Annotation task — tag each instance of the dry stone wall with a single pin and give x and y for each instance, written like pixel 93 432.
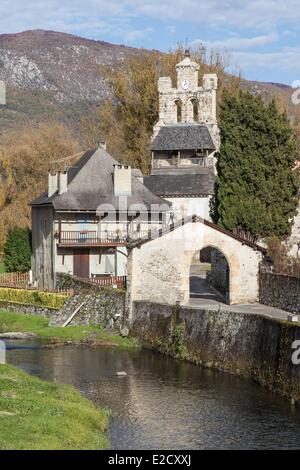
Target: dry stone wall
pixel 280 291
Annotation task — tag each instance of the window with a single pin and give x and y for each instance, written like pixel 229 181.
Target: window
pixel 194 103
pixel 178 105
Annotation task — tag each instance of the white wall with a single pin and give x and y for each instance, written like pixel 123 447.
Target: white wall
pixel 185 206
pixel 159 270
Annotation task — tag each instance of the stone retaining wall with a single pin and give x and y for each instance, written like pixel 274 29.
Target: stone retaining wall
pixel 279 291
pixel 245 344
pixel 104 306
pixel 25 308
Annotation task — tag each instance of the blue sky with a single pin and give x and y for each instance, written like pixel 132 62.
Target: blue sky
pixel 261 36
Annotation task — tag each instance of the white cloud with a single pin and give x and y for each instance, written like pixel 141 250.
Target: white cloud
pixel 237 42
pixel 19 15
pixel 256 13
pixel 287 59
pixel 134 20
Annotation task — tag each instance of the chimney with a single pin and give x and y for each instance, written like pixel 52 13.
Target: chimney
pixel 63 182
pixel 122 180
pixel 102 144
pixel 52 184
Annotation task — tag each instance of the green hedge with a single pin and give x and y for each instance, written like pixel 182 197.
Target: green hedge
pixel 33 297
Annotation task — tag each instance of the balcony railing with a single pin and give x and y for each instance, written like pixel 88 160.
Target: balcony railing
pixel 119 281
pixel 91 237
pixel 174 162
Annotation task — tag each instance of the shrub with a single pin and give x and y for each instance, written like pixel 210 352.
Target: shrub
pixel 17 250
pixel 32 297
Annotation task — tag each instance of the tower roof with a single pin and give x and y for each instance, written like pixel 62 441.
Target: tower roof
pixel 183 136
pixel 187 62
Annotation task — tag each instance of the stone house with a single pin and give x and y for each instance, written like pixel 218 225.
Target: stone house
pixel 84 223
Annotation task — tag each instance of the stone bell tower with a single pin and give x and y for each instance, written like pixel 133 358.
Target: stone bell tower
pixel 185 140
pixel 188 102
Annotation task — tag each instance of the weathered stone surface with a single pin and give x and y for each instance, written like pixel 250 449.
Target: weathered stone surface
pixel 124 331
pixel 245 344
pixel 280 291
pixel 25 308
pixel 160 270
pixel 104 306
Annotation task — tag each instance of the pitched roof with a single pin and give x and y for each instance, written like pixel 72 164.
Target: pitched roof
pixel 192 220
pixel 183 136
pixel 200 184
pixel 90 184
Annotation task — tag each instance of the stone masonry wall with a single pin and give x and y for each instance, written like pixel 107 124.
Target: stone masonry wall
pixel 245 344
pixel 28 309
pixel 279 291
pixel 104 306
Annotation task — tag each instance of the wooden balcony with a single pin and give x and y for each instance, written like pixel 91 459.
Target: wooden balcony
pixel 184 162
pixel 86 238
pixel 118 281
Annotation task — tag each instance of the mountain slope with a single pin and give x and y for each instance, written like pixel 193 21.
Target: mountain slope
pixel 58 75
pixel 66 65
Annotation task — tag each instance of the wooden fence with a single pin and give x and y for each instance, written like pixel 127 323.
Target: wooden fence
pixel 119 281
pixel 20 280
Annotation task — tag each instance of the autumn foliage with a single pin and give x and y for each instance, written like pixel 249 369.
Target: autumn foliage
pixel 26 156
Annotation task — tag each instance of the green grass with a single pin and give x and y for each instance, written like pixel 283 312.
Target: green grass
pixel 2 267
pixel 10 321
pixel 41 415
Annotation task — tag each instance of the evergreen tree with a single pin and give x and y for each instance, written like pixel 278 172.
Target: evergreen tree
pixel 17 250
pixel 256 193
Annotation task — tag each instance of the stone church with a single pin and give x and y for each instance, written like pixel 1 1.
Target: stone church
pixel 185 140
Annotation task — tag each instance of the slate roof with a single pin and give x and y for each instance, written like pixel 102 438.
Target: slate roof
pixel 183 137
pixel 90 183
pixel 201 184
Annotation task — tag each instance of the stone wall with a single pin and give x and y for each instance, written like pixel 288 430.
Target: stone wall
pixel 279 291
pixel 160 269
pixel 104 306
pixel 245 344
pixel 219 274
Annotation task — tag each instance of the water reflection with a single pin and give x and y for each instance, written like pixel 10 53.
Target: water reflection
pixel 167 404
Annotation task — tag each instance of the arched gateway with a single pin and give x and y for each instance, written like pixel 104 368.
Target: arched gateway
pixel 209 276
pixel 159 269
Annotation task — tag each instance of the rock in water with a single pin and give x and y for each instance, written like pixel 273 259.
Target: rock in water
pixel 122 373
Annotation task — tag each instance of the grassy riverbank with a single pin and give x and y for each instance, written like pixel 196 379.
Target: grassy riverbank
pixel 41 415
pixel 16 322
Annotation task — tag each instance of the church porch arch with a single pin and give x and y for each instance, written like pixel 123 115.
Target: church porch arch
pixel 159 270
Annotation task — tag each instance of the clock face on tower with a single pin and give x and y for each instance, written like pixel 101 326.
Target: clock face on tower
pixel 185 84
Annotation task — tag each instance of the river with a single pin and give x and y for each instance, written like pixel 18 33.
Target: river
pixel 167 404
